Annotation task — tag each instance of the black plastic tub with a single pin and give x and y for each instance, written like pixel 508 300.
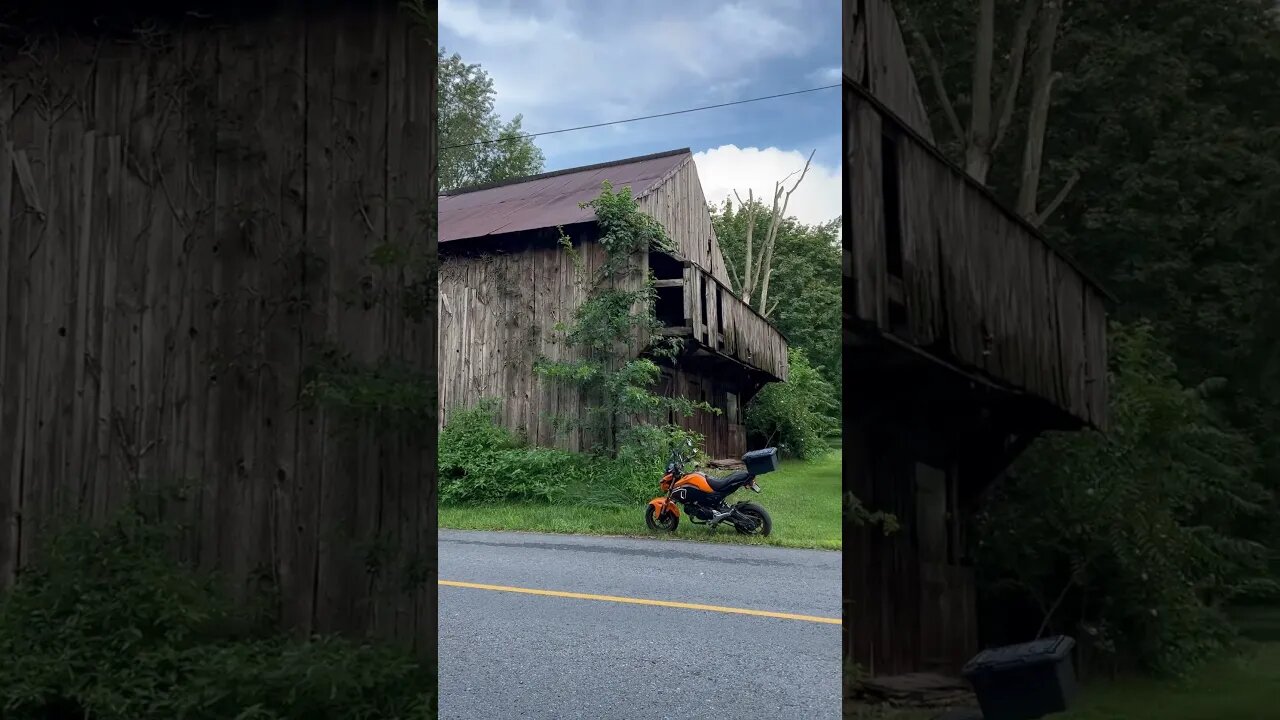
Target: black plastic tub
pixel 1023 682
pixel 759 462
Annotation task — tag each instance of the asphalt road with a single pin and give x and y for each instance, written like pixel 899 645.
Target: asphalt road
pixel 518 655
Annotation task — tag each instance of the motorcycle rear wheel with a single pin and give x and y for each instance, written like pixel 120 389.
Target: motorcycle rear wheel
pixel 666 521
pixel 764 523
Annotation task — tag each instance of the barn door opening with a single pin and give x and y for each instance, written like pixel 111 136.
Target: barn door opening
pixel 667 388
pixel 948 606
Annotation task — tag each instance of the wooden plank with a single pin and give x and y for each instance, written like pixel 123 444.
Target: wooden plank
pixel 12 353
pixel 710 295
pixel 200 58
pixel 34 172
pixel 316 544
pixel 78 431
pixel 868 223
pixel 1095 341
pixel 280 490
pixel 892 79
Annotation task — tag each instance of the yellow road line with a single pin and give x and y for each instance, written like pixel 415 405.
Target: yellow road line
pixel 641 601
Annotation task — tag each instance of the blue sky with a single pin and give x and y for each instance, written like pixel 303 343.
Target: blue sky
pixel 563 63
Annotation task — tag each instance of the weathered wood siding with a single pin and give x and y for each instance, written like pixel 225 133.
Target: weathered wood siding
pixel 678 204
pixel 725 433
pixel 183 223
pixel 977 285
pixel 498 312
pixel 499 306
pixel 722 322
pixel 909 603
pixel 875 56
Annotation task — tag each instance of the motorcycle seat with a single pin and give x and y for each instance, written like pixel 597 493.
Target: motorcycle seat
pixel 720 483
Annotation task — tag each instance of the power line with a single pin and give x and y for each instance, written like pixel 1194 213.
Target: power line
pixel 643 117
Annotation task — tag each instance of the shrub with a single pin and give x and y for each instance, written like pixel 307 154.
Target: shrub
pixel 795 415
pixel 1131 541
pixel 105 626
pixel 483 462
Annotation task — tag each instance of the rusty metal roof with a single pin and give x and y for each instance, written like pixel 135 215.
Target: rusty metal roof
pixel 546 200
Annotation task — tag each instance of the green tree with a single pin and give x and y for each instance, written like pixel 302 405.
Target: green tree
pixel 806 279
pixel 797 414
pixel 1169 115
pixel 469 127
pixel 1132 541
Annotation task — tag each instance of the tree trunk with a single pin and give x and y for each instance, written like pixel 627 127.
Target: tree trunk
pixel 1017 54
pixel 747 285
pixel 978 150
pixel 778 215
pixel 1038 117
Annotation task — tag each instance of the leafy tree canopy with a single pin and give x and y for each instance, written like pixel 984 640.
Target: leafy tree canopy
pixel 805 297
pixel 468 125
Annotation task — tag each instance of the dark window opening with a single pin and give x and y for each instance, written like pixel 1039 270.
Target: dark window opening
pixel 897 318
pixel 665 267
pixel 955 544
pixel 719 310
pixel 891 190
pixel 670 306
pixel 668 389
pixel 702 300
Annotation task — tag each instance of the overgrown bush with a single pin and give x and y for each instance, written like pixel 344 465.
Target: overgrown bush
pixel 615 318
pixel 483 462
pixel 106 626
pixel 795 415
pixel 1132 541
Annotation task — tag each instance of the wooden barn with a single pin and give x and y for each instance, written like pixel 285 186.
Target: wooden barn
pixel 966 333
pixel 505 283
pixel 189 192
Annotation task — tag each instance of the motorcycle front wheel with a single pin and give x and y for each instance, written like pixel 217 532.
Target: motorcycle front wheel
pixel 763 523
pixel 666 521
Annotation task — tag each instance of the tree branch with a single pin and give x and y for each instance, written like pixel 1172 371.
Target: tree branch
pixel 1017 55
pixel 778 215
pixel 733 275
pixel 747 270
pixel 935 75
pixel 1057 200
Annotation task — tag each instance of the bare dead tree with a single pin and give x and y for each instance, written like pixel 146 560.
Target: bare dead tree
pixel 989 120
pixel 756 271
pixel 1038 117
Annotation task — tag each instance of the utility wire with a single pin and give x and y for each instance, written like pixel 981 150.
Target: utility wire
pixel 643 117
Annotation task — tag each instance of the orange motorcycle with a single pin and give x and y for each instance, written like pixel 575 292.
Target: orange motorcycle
pixel 704 498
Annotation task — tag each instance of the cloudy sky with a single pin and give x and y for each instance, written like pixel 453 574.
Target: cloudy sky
pixel 564 63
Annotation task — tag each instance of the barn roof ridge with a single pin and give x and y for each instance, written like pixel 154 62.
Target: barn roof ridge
pixel 566 171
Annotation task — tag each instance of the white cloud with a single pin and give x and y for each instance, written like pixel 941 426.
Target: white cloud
pixel 548 57
pixel 728 168
pixel 826 76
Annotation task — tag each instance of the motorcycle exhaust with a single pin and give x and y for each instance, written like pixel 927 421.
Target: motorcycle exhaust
pixel 718 518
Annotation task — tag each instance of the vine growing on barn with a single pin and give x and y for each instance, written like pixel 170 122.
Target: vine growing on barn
pixel 615 332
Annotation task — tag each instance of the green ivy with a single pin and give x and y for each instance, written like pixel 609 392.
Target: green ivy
pixel 617 386
pixel 105 625
pixel 391 396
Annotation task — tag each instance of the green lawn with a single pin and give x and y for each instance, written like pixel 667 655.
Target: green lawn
pixel 1242 687
pixel 803 499
pixel 1246 687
